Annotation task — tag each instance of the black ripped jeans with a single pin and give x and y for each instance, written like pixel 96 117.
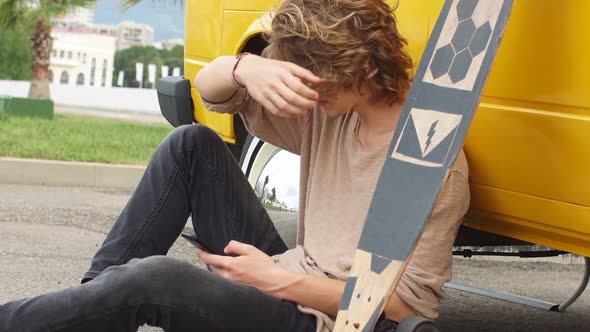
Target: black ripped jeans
pixel 191 172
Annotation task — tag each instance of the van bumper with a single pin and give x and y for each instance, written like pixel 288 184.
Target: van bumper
pixel 174 97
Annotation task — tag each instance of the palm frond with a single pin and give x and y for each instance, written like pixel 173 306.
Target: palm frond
pixel 53 8
pixel 11 12
pixel 126 4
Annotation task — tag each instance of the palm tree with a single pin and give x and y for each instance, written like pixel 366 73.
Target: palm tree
pixel 273 196
pixel 36 15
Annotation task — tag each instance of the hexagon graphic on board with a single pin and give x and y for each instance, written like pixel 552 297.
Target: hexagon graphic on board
pixel 443 58
pixel 460 66
pixel 480 39
pixel 460 50
pixel 463 35
pixel 465 8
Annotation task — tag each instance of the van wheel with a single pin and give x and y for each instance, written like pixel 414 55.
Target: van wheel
pixel 248 153
pixel 257 156
pixel 273 173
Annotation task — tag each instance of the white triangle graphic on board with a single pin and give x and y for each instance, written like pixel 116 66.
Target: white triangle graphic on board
pixel 433 127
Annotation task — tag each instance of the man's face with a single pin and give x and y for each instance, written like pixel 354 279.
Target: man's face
pixel 338 102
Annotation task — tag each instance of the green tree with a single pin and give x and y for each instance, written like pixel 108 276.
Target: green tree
pixel 36 16
pixel 173 57
pixel 15 54
pixel 126 59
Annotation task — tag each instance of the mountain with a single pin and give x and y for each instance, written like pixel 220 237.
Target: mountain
pixel 166 17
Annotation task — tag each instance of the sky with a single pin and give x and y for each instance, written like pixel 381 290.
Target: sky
pixel 165 16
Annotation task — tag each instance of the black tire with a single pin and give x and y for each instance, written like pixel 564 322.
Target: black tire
pixel 417 324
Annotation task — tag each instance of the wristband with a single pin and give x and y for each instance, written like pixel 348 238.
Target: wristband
pixel 239 58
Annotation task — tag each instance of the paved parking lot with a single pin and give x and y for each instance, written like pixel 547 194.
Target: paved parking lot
pixel 49 234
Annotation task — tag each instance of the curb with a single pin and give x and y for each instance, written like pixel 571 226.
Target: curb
pixel 65 173
pixel 119 114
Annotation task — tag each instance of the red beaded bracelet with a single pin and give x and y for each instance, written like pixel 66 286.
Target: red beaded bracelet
pixel 239 57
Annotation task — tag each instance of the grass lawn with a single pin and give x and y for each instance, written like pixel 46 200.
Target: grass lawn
pixel 271 207
pixel 80 138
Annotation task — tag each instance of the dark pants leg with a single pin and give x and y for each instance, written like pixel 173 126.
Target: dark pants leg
pixel 192 171
pixel 160 291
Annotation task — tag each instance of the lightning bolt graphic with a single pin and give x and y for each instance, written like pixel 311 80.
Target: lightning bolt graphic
pixel 431 133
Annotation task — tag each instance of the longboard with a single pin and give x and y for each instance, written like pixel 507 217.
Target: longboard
pixel 430 132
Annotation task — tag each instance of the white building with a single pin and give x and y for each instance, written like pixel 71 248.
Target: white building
pixel 105 29
pixel 134 34
pixel 81 57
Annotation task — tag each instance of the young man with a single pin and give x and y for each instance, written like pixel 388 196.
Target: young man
pixel 330 87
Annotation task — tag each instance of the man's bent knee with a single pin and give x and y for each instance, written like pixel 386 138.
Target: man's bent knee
pixel 189 135
pixel 147 276
pixel 168 275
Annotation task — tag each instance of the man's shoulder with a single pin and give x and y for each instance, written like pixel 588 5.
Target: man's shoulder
pixel 461 166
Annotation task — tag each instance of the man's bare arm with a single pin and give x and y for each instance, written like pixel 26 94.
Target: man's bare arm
pixel 280 87
pixel 255 268
pixel 214 81
pixel 324 295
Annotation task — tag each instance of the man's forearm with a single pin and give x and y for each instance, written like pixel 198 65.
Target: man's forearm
pixel 319 293
pixel 324 294
pixel 214 81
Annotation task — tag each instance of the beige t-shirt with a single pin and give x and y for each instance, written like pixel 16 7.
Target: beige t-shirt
pixel 337 181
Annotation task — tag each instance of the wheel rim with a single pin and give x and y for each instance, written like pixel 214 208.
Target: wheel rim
pixel 274 175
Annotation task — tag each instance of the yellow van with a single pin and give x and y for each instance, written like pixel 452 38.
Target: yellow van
pixel 528 147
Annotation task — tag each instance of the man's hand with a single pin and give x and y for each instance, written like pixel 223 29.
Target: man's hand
pixel 255 268
pixel 280 87
pixel 252 267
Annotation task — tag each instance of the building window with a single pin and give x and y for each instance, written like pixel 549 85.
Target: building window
pixel 53 53
pixel 61 54
pixel 84 58
pixel 78 55
pixel 103 79
pixel 69 54
pixel 80 79
pixel 50 76
pixel 65 77
pixel 92 71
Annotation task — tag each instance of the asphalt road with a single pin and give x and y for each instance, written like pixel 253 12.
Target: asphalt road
pixel 48 235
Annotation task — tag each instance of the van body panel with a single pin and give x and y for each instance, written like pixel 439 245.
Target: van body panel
pixel 202 28
pixel 551 223
pixel 529 144
pixel 241 27
pixel 248 5
pixel 221 123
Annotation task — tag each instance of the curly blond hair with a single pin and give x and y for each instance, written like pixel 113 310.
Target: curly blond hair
pixel 347 43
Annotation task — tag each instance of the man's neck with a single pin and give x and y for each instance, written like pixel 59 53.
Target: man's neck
pixel 377 123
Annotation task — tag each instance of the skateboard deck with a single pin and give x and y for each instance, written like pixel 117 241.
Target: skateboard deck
pixel 430 132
